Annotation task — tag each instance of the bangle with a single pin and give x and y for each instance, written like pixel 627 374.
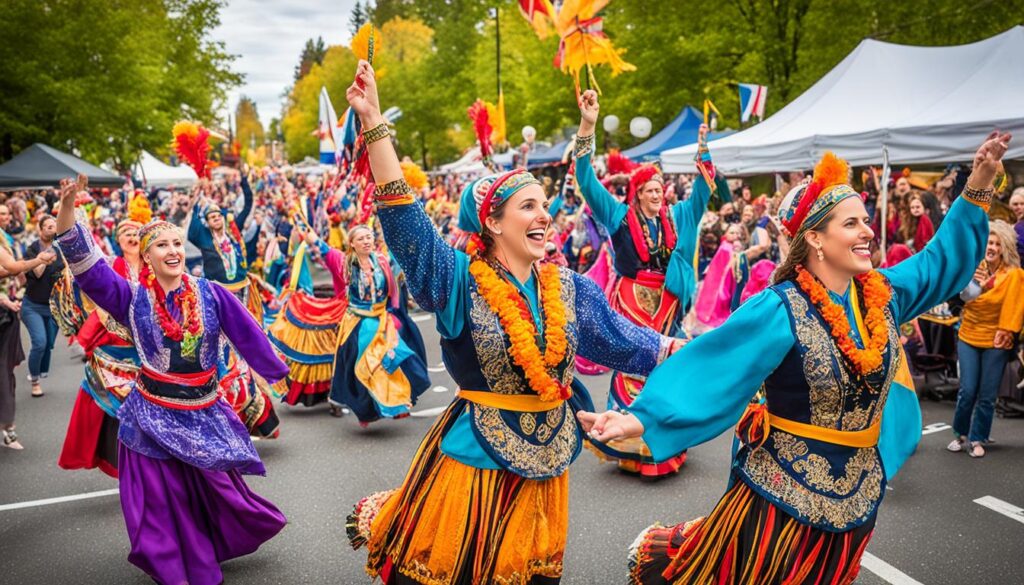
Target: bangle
pixel 397 192
pixel 378 132
pixel 584 145
pixel 980 197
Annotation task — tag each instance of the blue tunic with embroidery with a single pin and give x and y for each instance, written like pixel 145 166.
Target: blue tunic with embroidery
pixel 475 350
pixel 777 339
pixel 680 278
pixel 217 266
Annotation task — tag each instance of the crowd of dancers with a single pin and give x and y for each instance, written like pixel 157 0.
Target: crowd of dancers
pixel 182 371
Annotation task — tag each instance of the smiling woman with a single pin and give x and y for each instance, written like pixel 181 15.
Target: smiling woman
pixel 486 497
pixel 182 450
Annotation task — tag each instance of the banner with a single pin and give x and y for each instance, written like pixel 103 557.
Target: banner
pixel 752 99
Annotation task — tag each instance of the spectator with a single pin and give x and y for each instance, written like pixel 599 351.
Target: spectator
pixel 35 307
pixel 1017 206
pixel 991 320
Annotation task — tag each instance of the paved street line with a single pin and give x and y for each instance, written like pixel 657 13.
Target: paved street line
pixel 1004 508
pixel 428 412
pixel 935 428
pixel 439 389
pixel 436 370
pixel 423 317
pixel 59 500
pixel 886 571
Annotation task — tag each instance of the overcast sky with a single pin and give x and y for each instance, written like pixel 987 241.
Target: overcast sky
pixel 268 36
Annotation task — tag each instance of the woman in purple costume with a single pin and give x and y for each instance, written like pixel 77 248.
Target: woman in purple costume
pixel 182 449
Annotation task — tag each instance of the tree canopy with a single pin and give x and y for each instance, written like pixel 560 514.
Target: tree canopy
pixel 108 79
pixel 684 51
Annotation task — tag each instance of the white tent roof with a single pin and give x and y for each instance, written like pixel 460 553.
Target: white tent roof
pixel 156 173
pixel 926 104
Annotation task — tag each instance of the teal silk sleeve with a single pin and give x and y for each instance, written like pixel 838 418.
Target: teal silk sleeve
pixel 703 389
pixel 946 264
pixel 606 209
pixel 680 276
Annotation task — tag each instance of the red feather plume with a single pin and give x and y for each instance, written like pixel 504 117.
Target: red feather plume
pixel 192 143
pixel 482 125
pixel 619 164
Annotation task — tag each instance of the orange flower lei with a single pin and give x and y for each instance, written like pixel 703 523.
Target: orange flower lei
pixel 503 298
pixel 876 297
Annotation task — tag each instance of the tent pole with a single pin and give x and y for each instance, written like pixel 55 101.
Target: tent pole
pixel 883 197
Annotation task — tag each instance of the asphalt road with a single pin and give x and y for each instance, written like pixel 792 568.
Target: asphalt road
pixel 930 529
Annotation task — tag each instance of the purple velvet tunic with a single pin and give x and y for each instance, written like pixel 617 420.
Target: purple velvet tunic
pixel 212 438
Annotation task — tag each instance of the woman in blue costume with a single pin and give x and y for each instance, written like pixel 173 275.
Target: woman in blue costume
pixel 486 497
pixel 380 363
pixel 839 417
pixel 182 449
pixel 655 252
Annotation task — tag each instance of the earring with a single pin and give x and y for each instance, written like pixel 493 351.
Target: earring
pixel 497 233
pixel 821 255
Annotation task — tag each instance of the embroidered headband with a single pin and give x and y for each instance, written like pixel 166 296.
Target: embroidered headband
pixel 127 224
pixel 483 195
pixel 806 205
pixel 150 231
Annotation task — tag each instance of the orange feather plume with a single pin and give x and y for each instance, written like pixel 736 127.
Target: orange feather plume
pixel 139 209
pixel 192 143
pixel 831 170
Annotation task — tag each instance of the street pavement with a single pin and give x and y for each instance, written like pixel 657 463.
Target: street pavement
pixel 930 529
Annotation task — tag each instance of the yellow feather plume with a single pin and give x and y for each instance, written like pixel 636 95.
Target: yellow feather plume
pixel 414 175
pixel 139 210
pixel 831 170
pixel 361 42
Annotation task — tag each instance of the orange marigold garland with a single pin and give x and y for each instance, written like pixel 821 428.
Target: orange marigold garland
pixel 876 297
pixel 503 298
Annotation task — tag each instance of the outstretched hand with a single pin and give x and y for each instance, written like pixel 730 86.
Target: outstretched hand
pixel 987 160
pixel 69 189
pixel 362 94
pixel 610 425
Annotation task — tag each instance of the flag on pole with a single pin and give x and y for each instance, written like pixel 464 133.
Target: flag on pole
pixel 327 130
pixel 711 114
pixel 752 99
pixel 496 113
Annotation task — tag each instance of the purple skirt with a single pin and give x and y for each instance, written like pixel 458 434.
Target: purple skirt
pixel 184 521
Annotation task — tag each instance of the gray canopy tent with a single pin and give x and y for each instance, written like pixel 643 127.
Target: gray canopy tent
pixel 44 166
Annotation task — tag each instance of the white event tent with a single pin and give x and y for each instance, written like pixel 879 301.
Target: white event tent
pixel 925 104
pixel 156 173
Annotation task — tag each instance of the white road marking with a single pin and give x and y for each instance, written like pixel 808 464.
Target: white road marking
pixel 935 428
pixel 436 370
pixel 887 572
pixel 60 500
pixel 439 389
pixel 428 412
pixel 1004 508
pixel 422 318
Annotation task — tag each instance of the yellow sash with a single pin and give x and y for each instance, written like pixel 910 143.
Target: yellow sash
pixel 514 402
pixel 860 439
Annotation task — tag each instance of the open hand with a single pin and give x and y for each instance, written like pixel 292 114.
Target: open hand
pixel 362 94
pixel 987 160
pixel 1004 339
pixel 610 425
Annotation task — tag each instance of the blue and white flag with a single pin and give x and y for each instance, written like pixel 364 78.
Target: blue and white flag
pixel 752 98
pixel 327 130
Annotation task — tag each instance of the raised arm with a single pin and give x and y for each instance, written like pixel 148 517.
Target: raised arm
pixel 946 264
pixel 702 389
pixel 247 336
pixel 246 205
pixel 606 209
pixel 109 291
pixel 428 262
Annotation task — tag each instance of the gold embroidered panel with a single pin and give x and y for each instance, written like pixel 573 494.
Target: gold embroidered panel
pixel 856 488
pixel 555 430
pixel 836 401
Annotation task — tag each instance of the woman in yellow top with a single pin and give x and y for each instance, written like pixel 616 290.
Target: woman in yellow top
pixel 989 326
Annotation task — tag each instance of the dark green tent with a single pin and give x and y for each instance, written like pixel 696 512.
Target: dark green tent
pixel 44 166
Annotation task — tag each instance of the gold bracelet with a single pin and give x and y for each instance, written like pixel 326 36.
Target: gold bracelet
pixel 980 197
pixel 584 145
pixel 397 192
pixel 378 132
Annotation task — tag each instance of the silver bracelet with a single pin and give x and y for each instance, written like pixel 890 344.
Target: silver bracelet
pixel 584 145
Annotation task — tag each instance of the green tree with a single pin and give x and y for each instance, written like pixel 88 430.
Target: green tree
pixel 108 79
pixel 312 54
pixel 249 129
pixel 360 15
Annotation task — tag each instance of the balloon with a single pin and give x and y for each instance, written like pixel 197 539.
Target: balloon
pixel 529 133
pixel 611 123
pixel 640 127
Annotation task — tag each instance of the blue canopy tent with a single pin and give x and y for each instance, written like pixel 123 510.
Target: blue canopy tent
pixel 548 156
pixel 681 131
